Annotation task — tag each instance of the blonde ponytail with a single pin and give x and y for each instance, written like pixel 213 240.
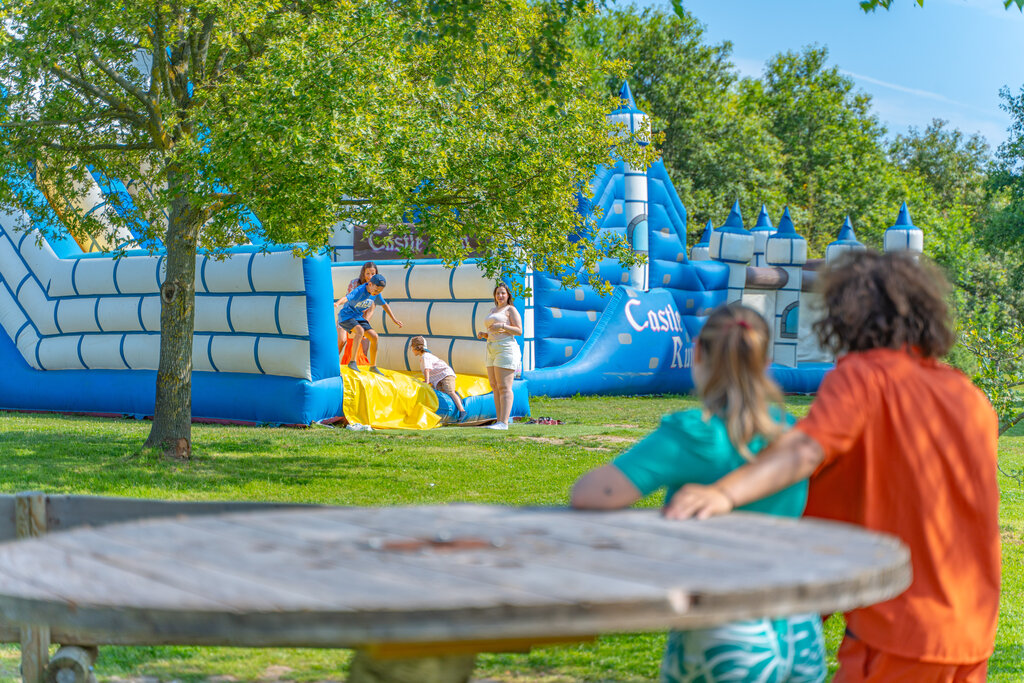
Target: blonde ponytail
pixel 734 357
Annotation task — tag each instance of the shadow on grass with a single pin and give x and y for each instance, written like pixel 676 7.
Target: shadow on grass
pixel 106 460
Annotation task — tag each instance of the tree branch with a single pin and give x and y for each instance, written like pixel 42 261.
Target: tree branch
pixel 97 92
pixel 66 122
pixel 204 42
pixel 118 78
pixel 112 146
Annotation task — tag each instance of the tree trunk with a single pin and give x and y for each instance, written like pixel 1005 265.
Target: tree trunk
pixel 172 417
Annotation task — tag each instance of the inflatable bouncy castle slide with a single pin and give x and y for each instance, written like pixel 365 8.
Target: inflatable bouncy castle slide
pixel 79 328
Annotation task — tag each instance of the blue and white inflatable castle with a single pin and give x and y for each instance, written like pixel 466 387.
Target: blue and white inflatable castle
pixel 640 339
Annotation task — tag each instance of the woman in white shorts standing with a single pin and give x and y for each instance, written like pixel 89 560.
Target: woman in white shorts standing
pixel 503 354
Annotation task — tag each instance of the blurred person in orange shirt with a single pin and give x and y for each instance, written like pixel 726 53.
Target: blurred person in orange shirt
pixel 900 443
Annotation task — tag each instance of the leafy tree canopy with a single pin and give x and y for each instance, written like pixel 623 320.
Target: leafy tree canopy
pixel 872 5
pixel 471 118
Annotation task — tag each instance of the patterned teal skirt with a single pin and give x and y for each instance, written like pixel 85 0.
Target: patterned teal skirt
pixel 763 650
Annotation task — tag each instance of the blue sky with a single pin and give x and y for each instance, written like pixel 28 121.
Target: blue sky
pixel 945 60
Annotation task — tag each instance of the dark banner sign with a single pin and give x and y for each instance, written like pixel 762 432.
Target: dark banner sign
pixel 376 244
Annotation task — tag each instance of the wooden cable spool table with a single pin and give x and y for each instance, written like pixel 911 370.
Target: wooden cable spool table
pixel 420 590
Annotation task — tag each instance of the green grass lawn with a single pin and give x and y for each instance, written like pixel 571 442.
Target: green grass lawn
pixel 530 465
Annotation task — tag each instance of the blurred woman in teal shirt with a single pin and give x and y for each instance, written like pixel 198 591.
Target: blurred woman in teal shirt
pixel 742 413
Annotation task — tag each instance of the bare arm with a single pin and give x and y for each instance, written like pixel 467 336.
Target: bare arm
pixel 793 456
pixel 515 323
pixel 605 488
pixel 340 302
pixel 387 309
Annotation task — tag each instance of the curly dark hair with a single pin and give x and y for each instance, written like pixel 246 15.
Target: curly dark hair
pixel 893 301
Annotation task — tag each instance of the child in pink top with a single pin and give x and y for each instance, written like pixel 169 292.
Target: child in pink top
pixel 437 373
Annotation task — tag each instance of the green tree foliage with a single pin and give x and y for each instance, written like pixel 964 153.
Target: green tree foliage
pixel 872 5
pixel 715 149
pixel 1006 229
pixel 310 113
pixel 954 165
pixel 834 160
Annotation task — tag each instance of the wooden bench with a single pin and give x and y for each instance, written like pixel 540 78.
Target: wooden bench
pixel 24 515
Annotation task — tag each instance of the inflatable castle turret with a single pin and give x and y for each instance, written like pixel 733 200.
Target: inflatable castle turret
pixel 845 241
pixel 762 230
pixel 733 245
pixel 904 235
pixel 787 250
pixel 635 190
pixel 701 250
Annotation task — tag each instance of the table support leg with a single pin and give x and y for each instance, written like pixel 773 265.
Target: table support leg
pixel 447 669
pixel 30 521
pixel 35 652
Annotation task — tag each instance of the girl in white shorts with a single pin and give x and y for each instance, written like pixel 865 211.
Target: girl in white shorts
pixel 503 354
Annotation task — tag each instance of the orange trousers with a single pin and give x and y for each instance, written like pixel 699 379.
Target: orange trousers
pixel 861 663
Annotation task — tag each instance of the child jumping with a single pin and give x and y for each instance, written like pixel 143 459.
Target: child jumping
pixel 900 443
pixel 741 414
pixel 350 310
pixel 437 373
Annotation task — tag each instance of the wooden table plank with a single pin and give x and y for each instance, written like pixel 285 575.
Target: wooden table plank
pixel 344 577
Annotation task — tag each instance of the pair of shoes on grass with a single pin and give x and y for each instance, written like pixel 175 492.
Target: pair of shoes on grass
pixel 544 421
pixel 497 425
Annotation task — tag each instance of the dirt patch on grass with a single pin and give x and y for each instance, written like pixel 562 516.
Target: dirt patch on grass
pixel 1011 538
pixel 601 449
pixel 543 439
pixel 275 672
pixel 608 438
pixel 623 426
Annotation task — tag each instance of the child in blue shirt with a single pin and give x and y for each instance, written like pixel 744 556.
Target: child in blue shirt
pixel 351 309
pixel 741 415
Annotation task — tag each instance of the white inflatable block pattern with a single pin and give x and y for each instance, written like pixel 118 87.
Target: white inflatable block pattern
pixel 635 188
pixel 464 355
pixel 731 247
pixel 760 246
pixel 782 251
pixel 99 352
pixel 11 317
pixel 92 276
pixel 287 357
pixel 270 272
pixel 38 308
pixel 834 251
pixel 118 314
pixel 110 319
pixel 151 313
pixel 277 356
pixel 11 265
pixel 899 239
pixel 424 281
pixel 60 353
pixel 76 315
pixel 135 275
pixel 212 314
pixel 342 235
pixel 141 351
pixel 28 344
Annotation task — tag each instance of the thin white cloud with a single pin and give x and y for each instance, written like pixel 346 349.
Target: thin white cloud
pixel 926 94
